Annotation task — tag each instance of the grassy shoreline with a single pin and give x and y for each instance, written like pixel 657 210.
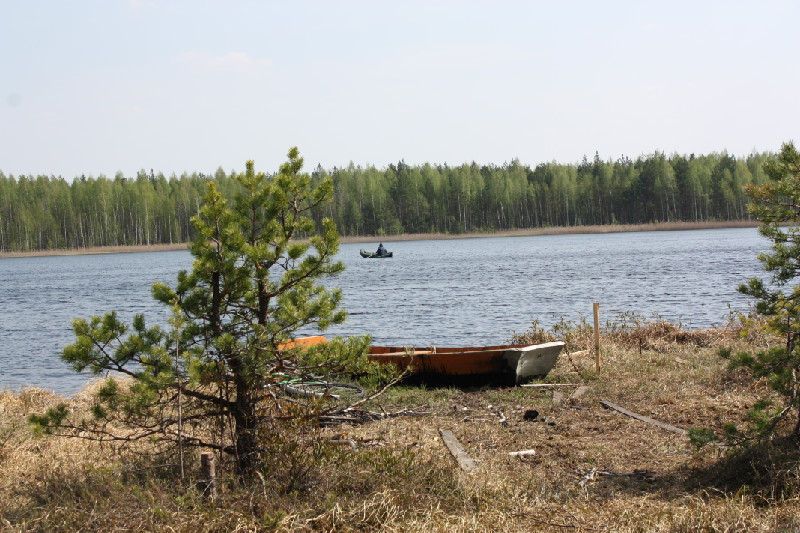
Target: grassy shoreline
pixel 590 468
pixel 560 230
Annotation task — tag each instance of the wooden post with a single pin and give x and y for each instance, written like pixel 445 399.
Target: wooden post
pixel 598 363
pixel 208 476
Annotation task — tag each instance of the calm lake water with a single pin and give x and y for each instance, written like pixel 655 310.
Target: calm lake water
pixel 454 292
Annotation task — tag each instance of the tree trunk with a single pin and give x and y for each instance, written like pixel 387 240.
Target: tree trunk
pixel 215 303
pixel 796 432
pixel 244 416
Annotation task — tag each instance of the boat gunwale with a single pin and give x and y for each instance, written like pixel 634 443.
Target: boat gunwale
pixel 433 351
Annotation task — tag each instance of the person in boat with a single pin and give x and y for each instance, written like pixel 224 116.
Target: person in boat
pixel 381 250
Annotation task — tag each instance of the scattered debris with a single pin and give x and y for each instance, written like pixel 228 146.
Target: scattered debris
pixel 503 420
pixel 466 463
pixel 530 415
pixel 357 417
pixel 593 474
pixel 662 425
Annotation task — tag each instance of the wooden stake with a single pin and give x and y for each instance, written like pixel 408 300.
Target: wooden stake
pixel 598 363
pixel 208 476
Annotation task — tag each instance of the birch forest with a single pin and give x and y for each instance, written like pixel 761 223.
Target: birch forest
pixel 49 212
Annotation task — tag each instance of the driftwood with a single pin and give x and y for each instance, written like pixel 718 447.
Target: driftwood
pixel 662 425
pixel 466 463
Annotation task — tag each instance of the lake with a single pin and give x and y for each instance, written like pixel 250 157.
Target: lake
pixel 433 292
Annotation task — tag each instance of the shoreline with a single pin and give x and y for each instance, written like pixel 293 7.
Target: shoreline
pixel 559 230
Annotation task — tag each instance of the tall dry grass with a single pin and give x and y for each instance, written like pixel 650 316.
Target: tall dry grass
pixel 593 469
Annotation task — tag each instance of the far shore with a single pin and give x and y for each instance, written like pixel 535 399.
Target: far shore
pixel 560 230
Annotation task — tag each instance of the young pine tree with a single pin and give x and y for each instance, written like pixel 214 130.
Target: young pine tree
pixel 209 381
pixel 776 204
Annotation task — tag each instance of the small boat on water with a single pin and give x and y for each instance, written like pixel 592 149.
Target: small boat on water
pixel 374 255
pixel 513 363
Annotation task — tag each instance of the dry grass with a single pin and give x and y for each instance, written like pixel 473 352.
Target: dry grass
pixel 401 478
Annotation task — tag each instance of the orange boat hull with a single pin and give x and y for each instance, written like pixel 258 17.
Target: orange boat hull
pixel 514 363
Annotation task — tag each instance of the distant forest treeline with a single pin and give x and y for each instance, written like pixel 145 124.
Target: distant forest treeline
pixel 45 212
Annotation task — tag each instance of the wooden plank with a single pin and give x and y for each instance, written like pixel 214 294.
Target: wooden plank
pixel 466 463
pixel 598 362
pixel 637 416
pixel 558 397
pixel 580 391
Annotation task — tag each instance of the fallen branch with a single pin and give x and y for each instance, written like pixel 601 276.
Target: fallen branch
pixel 379 393
pixel 347 416
pixel 637 416
pixel 404 412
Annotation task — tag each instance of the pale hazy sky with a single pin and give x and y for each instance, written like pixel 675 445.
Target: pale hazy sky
pixel 100 86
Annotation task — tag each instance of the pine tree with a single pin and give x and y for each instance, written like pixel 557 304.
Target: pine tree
pixel 253 286
pixel 776 203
